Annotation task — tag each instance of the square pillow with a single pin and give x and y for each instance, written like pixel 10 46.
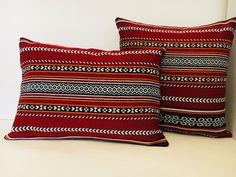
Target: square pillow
pixel 193 76
pixel 88 93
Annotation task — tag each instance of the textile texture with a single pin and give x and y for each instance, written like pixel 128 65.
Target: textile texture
pixel 88 93
pixel 193 76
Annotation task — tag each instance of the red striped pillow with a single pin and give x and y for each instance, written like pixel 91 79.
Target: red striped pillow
pixel 88 93
pixel 194 68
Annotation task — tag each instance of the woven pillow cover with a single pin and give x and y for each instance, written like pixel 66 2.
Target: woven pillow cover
pixel 193 77
pixel 88 93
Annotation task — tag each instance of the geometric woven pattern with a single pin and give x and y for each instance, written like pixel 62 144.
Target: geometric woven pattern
pixel 89 130
pixel 131 89
pixel 89 93
pixel 193 75
pixel 87 109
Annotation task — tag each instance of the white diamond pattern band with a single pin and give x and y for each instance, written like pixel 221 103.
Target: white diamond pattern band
pixel 91 89
pixel 192 121
pixel 59 108
pixel 183 45
pixel 90 69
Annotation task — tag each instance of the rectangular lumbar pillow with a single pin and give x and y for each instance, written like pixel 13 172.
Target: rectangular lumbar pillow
pixel 88 93
pixel 193 77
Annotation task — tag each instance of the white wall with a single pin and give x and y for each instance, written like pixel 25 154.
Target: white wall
pixel 88 23
pixel 231 84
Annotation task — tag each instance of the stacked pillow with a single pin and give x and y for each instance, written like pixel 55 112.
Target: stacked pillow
pixel 194 68
pixel 127 95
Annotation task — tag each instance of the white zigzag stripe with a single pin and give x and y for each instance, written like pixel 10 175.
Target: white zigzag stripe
pixel 169 39
pixel 88 63
pixel 84 52
pixel 193 100
pixel 86 117
pixel 133 28
pixel 86 130
pixel 193 86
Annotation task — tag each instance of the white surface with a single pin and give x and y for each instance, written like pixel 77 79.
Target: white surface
pixel 187 156
pixel 83 23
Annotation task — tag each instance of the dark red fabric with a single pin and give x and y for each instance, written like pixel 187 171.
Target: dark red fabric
pixel 193 75
pixel 88 93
